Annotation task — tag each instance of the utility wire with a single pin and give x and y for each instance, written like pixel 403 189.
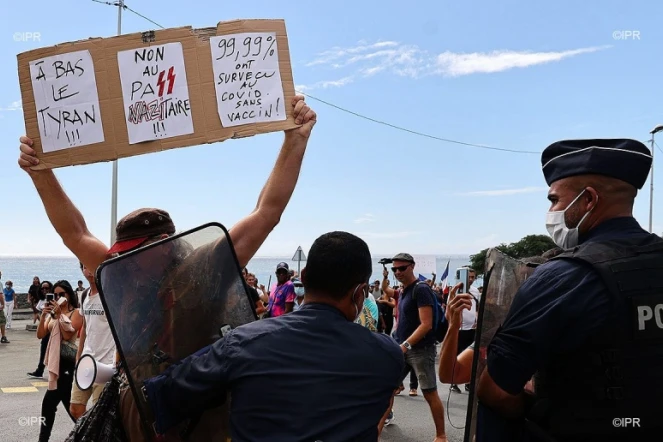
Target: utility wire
pixel 421 134
pixel 142 16
pixel 384 123
pixel 356 114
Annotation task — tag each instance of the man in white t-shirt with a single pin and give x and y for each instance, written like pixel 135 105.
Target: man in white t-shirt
pixel 96 340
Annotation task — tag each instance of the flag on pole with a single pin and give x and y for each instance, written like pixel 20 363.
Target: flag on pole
pixel 422 277
pixel 445 276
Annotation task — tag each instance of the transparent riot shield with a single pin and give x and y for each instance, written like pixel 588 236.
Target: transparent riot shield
pixel 167 300
pixel 505 275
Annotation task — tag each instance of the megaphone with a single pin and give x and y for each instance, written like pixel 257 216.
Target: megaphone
pixel 90 372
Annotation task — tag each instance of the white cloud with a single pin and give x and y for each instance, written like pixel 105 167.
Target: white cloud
pixel 15 106
pixel 387 235
pixel 452 64
pixel 324 84
pixel 335 53
pixel 366 218
pixel 366 60
pixel 503 192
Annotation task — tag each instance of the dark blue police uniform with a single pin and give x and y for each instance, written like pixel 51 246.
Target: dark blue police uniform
pixel 306 376
pixel 566 310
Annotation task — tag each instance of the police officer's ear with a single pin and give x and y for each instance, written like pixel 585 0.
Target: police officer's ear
pixel 591 197
pixel 302 276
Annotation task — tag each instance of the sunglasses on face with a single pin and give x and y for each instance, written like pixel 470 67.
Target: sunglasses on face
pixel 400 268
pixel 44 288
pixel 58 294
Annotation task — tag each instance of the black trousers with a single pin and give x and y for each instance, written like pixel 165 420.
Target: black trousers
pixel 414 381
pixel 42 353
pixel 388 323
pixel 52 399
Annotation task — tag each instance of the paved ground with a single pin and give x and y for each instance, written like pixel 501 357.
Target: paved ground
pixel 21 397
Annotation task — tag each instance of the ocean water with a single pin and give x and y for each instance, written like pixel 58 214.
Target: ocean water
pixel 21 270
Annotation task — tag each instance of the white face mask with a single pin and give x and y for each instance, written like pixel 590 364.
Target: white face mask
pixel 563 236
pixel 299 291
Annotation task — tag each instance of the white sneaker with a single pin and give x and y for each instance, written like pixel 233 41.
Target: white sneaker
pixel 389 419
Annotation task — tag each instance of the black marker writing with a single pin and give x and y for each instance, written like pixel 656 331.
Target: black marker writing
pixel 68 120
pixel 149 54
pixel 60 92
pixel 249 72
pixel 158 110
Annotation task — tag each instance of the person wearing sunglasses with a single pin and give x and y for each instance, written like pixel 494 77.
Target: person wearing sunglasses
pixel 60 322
pixel 414 333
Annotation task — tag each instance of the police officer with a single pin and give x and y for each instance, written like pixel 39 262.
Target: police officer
pixel 589 323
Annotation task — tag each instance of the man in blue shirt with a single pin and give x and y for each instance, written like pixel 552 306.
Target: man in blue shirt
pixel 414 332
pixel 571 327
pixel 315 363
pixel 9 302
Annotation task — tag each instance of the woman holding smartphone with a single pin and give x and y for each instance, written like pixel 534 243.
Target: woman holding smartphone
pixel 61 320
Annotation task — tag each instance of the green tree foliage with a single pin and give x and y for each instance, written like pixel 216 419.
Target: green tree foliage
pixel 531 245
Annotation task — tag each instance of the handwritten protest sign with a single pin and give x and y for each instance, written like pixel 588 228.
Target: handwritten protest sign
pixel 187 115
pixel 247 78
pixel 425 264
pixel 66 100
pixel 155 92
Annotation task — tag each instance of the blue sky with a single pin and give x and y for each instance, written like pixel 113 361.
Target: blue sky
pixel 510 74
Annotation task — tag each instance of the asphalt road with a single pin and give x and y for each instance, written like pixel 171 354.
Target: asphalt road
pixel 20 409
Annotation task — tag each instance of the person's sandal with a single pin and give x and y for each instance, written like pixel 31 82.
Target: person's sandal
pixel 413 392
pixel 400 389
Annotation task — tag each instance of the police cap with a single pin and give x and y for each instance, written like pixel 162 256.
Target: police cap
pixel 624 159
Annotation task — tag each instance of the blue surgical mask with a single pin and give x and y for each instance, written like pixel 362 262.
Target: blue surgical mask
pixel 299 291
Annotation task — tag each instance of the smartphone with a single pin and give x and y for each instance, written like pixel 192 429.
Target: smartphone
pixel 463 275
pixel 50 297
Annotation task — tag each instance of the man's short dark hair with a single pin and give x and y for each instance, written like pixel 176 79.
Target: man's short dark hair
pixel 337 262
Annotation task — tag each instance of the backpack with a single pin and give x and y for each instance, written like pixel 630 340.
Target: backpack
pixel 366 319
pixel 440 324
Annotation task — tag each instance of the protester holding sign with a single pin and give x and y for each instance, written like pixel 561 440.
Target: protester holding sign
pixel 247 235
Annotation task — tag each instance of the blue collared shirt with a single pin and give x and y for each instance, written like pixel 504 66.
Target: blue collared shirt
pixel 336 376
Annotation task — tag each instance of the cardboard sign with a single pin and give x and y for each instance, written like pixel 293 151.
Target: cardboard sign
pixel 108 98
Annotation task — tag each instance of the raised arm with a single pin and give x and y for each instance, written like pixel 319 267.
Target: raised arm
pixel 250 233
pixel 63 214
pixel 385 284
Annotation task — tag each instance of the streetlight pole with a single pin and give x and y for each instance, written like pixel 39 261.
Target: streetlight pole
pixel 651 183
pixel 120 6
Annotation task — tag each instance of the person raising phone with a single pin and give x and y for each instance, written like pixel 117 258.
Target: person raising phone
pixel 62 320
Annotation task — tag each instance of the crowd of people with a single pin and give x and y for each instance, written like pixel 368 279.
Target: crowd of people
pixel 332 349
pixel 70 322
